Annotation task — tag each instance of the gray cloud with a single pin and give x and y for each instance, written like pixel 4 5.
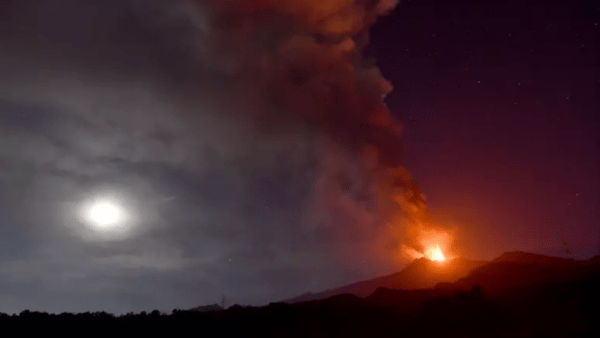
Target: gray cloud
pixel 250 159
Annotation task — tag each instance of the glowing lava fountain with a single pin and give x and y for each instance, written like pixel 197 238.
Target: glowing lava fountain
pixel 436 254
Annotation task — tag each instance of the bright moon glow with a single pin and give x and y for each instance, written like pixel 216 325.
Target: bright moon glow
pixel 108 214
pixel 104 214
pixel 436 254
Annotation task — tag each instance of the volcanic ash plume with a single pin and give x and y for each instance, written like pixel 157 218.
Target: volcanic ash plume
pixel 297 68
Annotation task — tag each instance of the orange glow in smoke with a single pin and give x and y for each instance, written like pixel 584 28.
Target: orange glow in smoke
pixel 435 244
pixel 436 254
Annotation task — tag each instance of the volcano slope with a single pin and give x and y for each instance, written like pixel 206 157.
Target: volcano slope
pixel 420 274
pixel 516 295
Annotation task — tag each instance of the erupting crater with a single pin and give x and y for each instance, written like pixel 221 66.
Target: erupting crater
pixel 436 254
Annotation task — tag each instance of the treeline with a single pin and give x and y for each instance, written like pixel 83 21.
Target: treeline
pixel 544 310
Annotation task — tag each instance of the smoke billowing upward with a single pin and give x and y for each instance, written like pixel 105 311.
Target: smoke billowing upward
pixel 244 147
pixel 298 65
pixel 261 119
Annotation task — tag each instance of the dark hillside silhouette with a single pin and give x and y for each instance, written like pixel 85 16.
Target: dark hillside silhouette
pixel 420 274
pixel 536 305
pixel 207 308
pixel 520 269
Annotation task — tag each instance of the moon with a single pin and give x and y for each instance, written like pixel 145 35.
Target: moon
pixel 109 213
pixel 106 217
pixel 105 214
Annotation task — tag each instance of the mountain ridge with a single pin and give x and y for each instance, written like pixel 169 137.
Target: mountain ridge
pixel 420 274
pixel 511 269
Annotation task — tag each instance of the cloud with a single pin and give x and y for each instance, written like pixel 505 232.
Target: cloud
pixel 251 142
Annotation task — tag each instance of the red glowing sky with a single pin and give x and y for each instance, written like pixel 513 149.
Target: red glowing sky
pixel 213 124
pixel 500 108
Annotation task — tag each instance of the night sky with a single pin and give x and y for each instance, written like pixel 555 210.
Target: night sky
pixel 500 106
pixel 160 154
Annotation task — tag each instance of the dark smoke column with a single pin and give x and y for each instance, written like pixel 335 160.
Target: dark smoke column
pixel 297 67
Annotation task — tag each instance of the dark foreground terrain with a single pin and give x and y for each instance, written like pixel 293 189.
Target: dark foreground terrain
pixel 516 295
